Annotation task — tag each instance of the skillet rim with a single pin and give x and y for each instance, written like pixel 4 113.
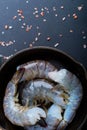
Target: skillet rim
pixel 48 48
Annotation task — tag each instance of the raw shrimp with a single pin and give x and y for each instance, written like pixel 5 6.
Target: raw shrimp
pixel 28 115
pixel 36 69
pixel 43 91
pixel 53 118
pixel 73 87
pixel 17 114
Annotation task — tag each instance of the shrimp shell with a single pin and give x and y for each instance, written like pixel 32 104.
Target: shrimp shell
pixel 41 89
pixel 72 85
pixel 53 118
pixel 36 69
pixel 16 113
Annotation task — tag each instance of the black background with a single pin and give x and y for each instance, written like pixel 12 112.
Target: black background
pixel 51 23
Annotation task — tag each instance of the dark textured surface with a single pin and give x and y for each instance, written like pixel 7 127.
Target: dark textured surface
pixel 51 24
pixel 57 23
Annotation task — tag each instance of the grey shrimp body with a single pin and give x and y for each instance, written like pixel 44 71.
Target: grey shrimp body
pixel 27 115
pixel 43 90
pixel 36 69
pixel 71 85
pixel 46 92
pixel 17 114
pixel 53 119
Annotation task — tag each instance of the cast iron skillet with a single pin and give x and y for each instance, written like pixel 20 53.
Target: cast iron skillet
pixel 59 59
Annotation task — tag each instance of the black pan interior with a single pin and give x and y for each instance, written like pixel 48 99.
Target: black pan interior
pixel 59 59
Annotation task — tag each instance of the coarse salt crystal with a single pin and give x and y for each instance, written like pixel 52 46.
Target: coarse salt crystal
pixel 35 8
pixel 39 33
pixel 33 42
pixel 7 7
pixel 37 16
pixel 20 11
pixel 36 38
pixel 24 24
pixel 60 35
pixel 36 12
pixel 14 41
pixel 71 30
pixel 19 19
pixel 22 16
pixel 84 46
pixel 62 7
pixel 6 27
pixel 64 18
pixel 3 32
pixel 56 44
pixel 30 45
pixel 44 20
pixel 37 27
pixel 15 50
pixel 48 38
pixel 25 43
pixel 68 15
pixel 56 15
pixel 80 8
pixel 75 16
pixel 42 13
pixel 84 37
pixel 45 8
pixel 83 32
pixel 10 27
pixel 14 17
pixel 27 2
pixel 54 8
pixel 42 9
pixel 48 11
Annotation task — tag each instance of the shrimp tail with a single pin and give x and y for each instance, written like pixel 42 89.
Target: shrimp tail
pixel 42 122
pixel 62 126
pixel 69 114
